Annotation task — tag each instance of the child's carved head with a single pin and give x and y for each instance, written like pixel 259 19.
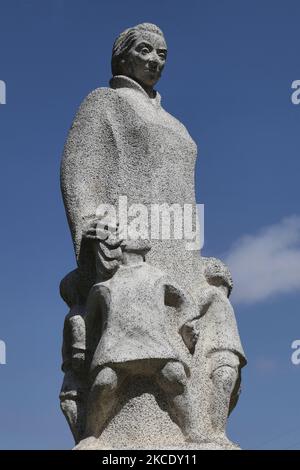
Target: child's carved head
pixel 217 274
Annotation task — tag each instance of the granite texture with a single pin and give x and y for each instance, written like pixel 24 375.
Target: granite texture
pixel 151 350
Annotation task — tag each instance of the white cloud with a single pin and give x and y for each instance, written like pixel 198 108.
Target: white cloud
pixel 267 263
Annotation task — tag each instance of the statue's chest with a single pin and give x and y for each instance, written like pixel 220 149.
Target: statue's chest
pixel 133 289
pixel 157 153
pixel 148 122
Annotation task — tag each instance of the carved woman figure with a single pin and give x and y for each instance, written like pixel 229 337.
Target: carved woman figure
pixel 123 142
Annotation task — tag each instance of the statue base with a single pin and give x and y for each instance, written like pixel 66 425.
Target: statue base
pixel 92 443
pixel 141 422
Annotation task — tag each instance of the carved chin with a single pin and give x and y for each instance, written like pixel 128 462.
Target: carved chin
pixel 152 78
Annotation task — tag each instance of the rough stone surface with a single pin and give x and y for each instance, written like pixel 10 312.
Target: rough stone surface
pixel 124 143
pixel 151 350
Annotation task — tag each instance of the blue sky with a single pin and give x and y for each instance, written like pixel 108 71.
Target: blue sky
pixel 228 79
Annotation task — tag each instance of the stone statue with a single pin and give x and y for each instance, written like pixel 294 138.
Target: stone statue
pixel 219 354
pixel 74 387
pixel 122 142
pixel 151 351
pixel 136 338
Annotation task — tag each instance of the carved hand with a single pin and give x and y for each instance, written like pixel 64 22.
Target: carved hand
pixel 96 229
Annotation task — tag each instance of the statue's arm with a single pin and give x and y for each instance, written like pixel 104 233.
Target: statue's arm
pixel 190 326
pixel 78 333
pixel 97 308
pixel 224 330
pixel 185 306
pixel 88 157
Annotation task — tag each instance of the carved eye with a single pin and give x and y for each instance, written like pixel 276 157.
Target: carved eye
pixel 145 51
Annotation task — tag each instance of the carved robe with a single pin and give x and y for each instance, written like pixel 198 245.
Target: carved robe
pixel 127 317
pixel 123 143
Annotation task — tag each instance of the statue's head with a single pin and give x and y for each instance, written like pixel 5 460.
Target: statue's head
pixel 107 248
pixel 217 274
pixel 140 53
pixel 71 289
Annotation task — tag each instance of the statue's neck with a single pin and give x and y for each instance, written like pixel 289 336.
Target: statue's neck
pixel 149 90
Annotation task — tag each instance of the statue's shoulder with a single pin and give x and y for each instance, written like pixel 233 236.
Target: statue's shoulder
pixel 97 103
pixel 163 279
pixel 100 97
pixel 152 272
pixel 180 126
pixel 101 93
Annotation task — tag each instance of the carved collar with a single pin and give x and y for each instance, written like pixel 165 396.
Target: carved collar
pixel 121 81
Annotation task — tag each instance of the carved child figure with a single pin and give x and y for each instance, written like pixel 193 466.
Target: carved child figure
pixel 74 388
pixel 219 345
pixel 128 311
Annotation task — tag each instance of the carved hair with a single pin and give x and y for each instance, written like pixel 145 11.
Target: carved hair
pixel 217 273
pixel 124 42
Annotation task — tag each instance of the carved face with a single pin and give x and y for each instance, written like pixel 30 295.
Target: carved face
pixel 146 59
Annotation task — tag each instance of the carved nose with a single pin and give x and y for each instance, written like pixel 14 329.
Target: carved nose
pixel 153 64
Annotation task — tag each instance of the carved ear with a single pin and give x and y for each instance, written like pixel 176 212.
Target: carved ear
pixel 121 66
